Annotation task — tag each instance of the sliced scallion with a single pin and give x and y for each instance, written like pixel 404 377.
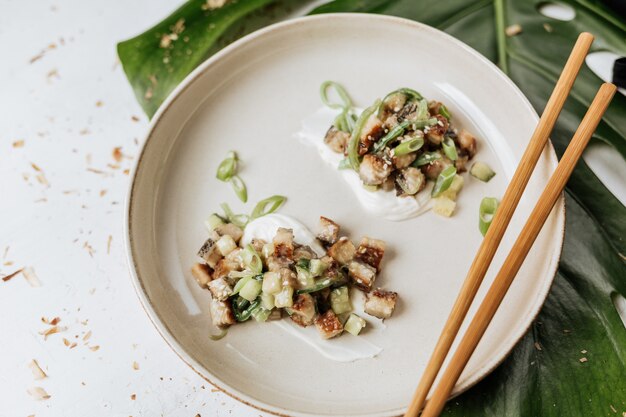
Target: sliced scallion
pixel 391 135
pixel 426 158
pixel 341 92
pixel 213 221
pixel 409 146
pixel 267 206
pixel 449 148
pixel 486 211
pixel 239 187
pixel 444 180
pixel 219 336
pixel 422 109
pixel 240 220
pixel 443 110
pixel 228 167
pixel 353 145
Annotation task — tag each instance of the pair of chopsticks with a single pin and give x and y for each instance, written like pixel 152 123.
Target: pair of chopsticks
pixel 522 245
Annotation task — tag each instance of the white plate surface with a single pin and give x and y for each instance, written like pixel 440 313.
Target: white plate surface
pixel 251 97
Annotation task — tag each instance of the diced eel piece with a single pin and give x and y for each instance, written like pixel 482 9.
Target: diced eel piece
pixel 328 232
pixel 210 253
pixel 381 303
pixel 221 313
pixel 342 251
pixel 374 170
pixel 467 143
pixel 362 275
pixel 202 274
pixel 328 325
pixel 372 131
pixel 370 252
pixel 436 132
pixel 220 289
pixel 283 243
pixel 229 229
pixel 225 266
pixel 336 139
pixel 302 312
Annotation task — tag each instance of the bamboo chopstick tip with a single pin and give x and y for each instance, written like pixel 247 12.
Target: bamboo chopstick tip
pixel 586 37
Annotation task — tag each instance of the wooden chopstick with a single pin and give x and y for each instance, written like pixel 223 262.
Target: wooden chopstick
pixel 501 220
pixel 522 245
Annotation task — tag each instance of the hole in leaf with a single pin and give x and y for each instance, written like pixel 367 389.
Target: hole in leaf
pixel 620 305
pixel 601 63
pixel 609 167
pixel 558 11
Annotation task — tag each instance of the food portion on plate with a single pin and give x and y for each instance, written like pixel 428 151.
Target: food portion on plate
pixel 396 154
pixel 267 272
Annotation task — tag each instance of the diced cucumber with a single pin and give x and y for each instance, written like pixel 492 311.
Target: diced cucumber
pixel 271 283
pixel 213 221
pixel 241 283
pixel 340 300
pixel 267 301
pixel 226 244
pixel 455 187
pixel 305 278
pixel 284 298
pixel 354 325
pixel 482 171
pixel 317 267
pixel 251 290
pixel 444 206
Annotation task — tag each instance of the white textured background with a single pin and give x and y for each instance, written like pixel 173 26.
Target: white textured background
pixel 64 95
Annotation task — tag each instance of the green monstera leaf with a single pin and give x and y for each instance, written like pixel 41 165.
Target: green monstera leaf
pixel 572 361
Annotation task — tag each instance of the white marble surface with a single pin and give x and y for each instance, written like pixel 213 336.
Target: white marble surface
pixel 61 209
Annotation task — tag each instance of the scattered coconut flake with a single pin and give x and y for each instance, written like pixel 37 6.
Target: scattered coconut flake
pixel 87 336
pixel 109 240
pixel 513 30
pixel 66 342
pixel 36 167
pixel 38 393
pixel 52 330
pixel 34 367
pixel 582 360
pixel 613 408
pixel 18 143
pixel 583 351
pixel 84 131
pixel 548 27
pixel 99 103
pixel 135 366
pixel 134 118
pixel 103 192
pixel 117 153
pixel 31 277
pixel 53 73
pixel 11 275
pixel 213 4
pixel 133 397
pixel 537 346
pixel 94 348
pixel 126 172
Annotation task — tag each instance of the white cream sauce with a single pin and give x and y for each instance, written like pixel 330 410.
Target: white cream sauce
pixel 346 348
pixel 380 203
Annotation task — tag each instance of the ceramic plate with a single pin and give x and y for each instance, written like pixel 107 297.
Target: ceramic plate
pixel 252 97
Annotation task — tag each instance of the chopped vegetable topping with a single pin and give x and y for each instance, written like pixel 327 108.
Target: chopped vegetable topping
pixel 486 211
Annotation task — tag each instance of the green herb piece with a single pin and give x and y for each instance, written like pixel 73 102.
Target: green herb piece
pixel 426 158
pixel 408 146
pixel 449 148
pixel 239 187
pixel 228 167
pixel 353 145
pixel 443 110
pixel 444 180
pixel 267 206
pixel 486 211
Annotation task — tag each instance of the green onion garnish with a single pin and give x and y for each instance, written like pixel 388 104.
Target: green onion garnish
pixel 443 110
pixel 422 109
pixel 426 158
pixel 353 145
pixel 267 206
pixel 409 93
pixel 486 211
pixel 391 135
pixel 449 148
pixel 320 284
pixel 341 92
pixel 228 167
pixel 240 220
pixel 239 187
pixel 409 146
pixel 444 180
